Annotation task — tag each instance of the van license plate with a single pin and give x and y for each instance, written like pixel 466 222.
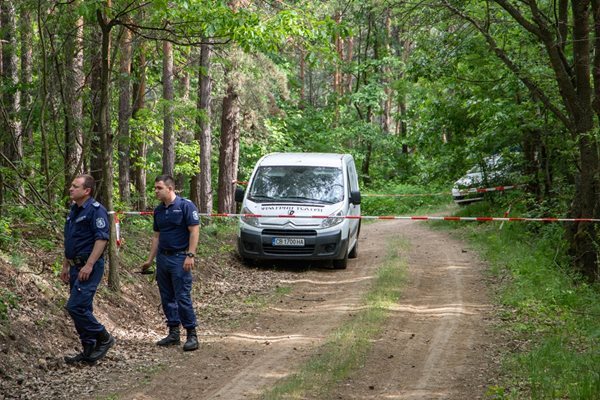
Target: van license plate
pixel 288 242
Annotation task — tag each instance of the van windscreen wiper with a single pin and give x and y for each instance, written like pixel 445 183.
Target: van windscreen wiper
pixel 259 197
pixel 304 199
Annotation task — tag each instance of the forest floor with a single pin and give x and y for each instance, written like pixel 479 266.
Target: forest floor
pixel 440 341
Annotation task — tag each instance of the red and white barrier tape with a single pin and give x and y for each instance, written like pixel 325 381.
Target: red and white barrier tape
pixel 405 194
pixel 386 217
pixel 492 189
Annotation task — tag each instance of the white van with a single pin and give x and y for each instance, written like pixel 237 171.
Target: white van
pixel 283 188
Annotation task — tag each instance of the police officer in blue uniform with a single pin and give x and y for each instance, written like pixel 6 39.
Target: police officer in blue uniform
pixel 86 234
pixel 176 231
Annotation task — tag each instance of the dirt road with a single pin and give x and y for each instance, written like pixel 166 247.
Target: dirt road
pixel 436 343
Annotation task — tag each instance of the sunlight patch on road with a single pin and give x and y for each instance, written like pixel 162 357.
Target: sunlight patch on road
pixel 359 279
pixel 451 309
pixel 320 309
pixel 246 337
pixel 452 267
pixel 276 375
pixel 416 394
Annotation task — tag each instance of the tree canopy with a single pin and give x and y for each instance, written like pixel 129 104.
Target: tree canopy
pixel 417 91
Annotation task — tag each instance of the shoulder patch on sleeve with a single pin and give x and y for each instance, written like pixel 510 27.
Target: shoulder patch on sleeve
pixel 96 204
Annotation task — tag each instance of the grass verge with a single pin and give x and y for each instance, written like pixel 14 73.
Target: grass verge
pixel 551 316
pixel 346 348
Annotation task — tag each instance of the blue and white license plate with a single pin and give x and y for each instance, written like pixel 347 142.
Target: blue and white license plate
pixel 288 242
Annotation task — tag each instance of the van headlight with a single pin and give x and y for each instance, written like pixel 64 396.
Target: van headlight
pixel 252 221
pixel 333 220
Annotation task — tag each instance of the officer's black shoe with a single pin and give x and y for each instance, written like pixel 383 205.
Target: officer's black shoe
pixel 172 338
pixel 104 341
pixel 84 356
pixel 192 340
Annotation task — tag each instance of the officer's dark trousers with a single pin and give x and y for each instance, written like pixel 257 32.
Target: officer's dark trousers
pixel 80 304
pixel 175 287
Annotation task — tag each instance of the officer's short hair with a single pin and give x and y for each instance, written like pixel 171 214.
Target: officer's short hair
pixel 88 182
pixel 167 179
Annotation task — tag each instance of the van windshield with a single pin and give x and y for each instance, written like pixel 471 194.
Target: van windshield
pixel 306 184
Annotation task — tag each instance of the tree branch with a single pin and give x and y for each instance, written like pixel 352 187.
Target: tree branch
pixel 535 90
pixel 518 16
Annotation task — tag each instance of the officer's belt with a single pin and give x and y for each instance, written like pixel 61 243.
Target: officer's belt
pixel 77 260
pixel 172 252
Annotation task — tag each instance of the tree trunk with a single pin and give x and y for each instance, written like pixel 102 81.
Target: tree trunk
pixel 139 159
pixel 202 182
pixel 302 59
pixel 531 170
pixel 106 141
pixel 366 165
pixel 168 162
pixel 93 145
pixel 11 95
pixel 44 153
pixel 184 135
pixel 3 137
pixel 74 82
pixel 386 119
pixel 26 29
pixel 401 127
pixel 337 74
pixel 227 158
pixel 583 242
pixel 123 137
pixel 349 56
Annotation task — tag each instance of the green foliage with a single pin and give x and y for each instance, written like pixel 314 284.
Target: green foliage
pixel 147 127
pixel 8 300
pixel 44 244
pixel 5 231
pixel 57 267
pixel 187 158
pixel 31 224
pixel 408 199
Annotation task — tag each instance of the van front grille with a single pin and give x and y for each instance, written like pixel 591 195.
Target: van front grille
pixel 289 232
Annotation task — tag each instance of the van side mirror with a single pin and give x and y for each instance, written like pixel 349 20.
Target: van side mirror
pixel 355 197
pixel 239 194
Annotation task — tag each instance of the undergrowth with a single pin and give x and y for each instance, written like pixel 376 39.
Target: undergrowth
pixel 550 313
pixel 401 199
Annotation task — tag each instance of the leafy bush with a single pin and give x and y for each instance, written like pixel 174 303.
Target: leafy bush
pixel 5 231
pixel 7 300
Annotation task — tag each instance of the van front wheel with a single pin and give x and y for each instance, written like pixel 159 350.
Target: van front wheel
pixel 354 251
pixel 341 263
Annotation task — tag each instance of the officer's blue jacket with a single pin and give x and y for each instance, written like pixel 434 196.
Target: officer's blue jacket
pixel 83 227
pixel 172 222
